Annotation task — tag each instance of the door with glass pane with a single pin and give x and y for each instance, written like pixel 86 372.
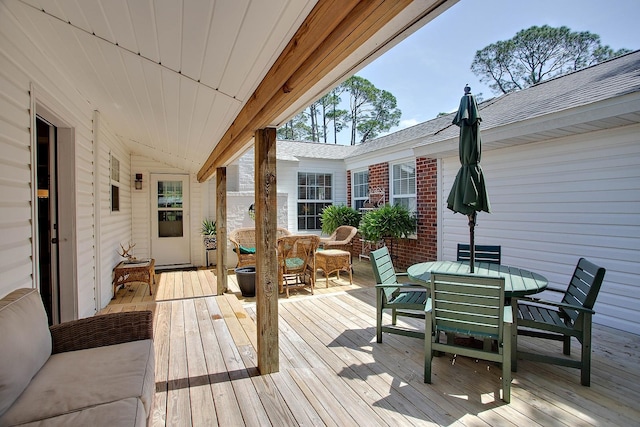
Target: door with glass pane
pixel 170 219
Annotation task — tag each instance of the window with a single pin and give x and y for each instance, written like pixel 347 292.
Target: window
pixel 403 187
pixel 170 209
pixel 114 174
pixel 360 188
pixel 314 193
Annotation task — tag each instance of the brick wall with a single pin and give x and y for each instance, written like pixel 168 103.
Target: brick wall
pixel 423 248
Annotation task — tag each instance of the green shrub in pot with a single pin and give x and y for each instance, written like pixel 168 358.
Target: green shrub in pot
pixel 388 221
pixel 333 216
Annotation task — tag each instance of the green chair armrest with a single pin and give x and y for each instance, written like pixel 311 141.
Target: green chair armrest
pixel 558 304
pixel 400 285
pixel 508 314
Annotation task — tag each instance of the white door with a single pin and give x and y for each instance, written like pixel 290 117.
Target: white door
pixel 170 219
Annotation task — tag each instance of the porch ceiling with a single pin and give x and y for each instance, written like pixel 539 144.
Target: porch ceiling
pixel 172 78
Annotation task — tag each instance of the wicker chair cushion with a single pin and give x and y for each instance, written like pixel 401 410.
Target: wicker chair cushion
pixel 294 263
pixel 245 250
pixel 25 343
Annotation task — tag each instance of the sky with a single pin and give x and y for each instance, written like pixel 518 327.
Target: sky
pixel 427 71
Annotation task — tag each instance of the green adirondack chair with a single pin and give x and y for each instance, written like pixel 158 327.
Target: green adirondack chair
pixel 562 320
pixel 470 305
pixel 403 299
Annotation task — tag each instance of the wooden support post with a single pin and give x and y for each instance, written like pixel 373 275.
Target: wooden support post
pixel 266 255
pixel 221 230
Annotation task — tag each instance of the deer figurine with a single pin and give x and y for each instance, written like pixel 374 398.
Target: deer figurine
pixel 125 252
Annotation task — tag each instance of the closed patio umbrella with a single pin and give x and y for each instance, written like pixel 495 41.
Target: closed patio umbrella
pixel 468 195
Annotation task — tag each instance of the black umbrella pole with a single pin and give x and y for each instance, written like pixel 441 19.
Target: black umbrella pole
pixel 472 243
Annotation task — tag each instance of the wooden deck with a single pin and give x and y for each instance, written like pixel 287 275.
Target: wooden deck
pixel 332 372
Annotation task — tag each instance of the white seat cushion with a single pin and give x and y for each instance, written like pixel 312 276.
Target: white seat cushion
pixel 126 412
pixel 72 381
pixel 25 342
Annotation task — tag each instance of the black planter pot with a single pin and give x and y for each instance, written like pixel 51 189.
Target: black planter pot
pixel 246 277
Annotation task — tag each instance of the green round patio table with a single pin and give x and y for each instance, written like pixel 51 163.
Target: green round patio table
pixel 518 282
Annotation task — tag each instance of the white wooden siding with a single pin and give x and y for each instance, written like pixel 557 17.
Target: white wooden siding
pixel 115 227
pixel 23 65
pixel 15 177
pixel 555 201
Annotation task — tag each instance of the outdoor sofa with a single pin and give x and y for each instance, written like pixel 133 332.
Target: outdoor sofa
pixel 97 371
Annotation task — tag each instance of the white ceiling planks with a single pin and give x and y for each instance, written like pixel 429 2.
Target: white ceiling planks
pixel 248 48
pixel 221 110
pixel 121 29
pixel 153 101
pixel 195 35
pixel 287 23
pixel 168 76
pixel 168 18
pixel 143 22
pixel 187 105
pixel 170 89
pixel 96 21
pixel 227 19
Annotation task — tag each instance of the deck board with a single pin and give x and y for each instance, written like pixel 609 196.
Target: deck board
pixel 332 372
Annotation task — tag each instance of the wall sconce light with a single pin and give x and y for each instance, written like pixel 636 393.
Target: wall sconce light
pixel 252 212
pixel 138 183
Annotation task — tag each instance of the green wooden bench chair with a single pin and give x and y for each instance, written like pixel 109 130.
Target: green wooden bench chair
pixel 483 253
pixel 403 299
pixel 562 320
pixel 470 305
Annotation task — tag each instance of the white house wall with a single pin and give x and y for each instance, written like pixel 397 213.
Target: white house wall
pixel 22 66
pixel 288 182
pixel 556 201
pixel 15 170
pixel 115 227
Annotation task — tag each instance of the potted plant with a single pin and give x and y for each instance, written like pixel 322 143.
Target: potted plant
pixel 333 216
pixel 208 231
pixel 389 221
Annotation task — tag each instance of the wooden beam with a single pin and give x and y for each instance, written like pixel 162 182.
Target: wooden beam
pixel 347 37
pixel 266 255
pixel 221 230
pixel 332 31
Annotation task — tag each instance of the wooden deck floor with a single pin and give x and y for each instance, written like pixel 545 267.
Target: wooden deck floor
pixel 332 372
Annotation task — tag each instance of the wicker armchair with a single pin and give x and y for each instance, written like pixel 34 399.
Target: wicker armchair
pixel 341 238
pixel 244 242
pixel 296 261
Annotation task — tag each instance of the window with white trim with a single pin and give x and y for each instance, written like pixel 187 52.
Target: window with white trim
pixel 403 185
pixel 315 191
pixel 359 188
pixel 114 173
